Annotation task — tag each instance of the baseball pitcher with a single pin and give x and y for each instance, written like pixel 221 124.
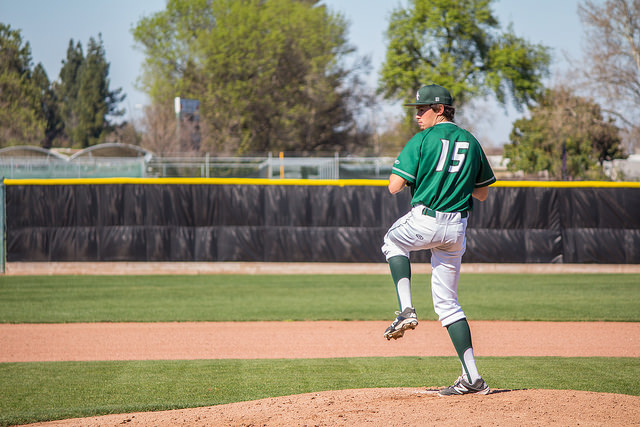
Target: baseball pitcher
pixel 445 168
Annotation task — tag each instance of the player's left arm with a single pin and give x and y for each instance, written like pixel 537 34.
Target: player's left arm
pixel 396 183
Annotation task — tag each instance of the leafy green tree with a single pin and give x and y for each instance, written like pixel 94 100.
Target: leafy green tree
pixel 566 135
pixel 270 75
pixel 459 45
pixel 87 103
pixel 21 119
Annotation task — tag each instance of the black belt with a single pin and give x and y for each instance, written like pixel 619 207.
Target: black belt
pixel 430 212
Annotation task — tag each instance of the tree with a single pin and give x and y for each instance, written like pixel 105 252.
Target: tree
pixel 612 58
pixel 87 102
pixel 459 45
pixel 269 75
pixel 566 135
pixel 66 89
pixel 49 106
pixel 21 119
pixel 125 133
pixel 161 136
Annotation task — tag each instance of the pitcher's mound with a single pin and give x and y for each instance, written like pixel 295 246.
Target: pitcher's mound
pixel 400 407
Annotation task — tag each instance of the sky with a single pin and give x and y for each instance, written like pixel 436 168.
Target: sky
pixel 49 25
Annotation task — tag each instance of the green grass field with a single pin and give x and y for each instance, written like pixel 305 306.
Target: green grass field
pixel 62 299
pixel 32 392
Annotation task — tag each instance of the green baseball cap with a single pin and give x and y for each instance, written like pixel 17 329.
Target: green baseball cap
pixel 432 94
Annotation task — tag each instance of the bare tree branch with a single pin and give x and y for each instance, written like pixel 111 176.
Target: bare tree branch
pixel 612 58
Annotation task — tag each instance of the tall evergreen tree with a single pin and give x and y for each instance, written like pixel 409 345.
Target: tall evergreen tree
pixel 87 103
pixel 49 106
pixel 67 87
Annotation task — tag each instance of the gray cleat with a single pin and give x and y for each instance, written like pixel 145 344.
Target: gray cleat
pixel 461 386
pixel 405 320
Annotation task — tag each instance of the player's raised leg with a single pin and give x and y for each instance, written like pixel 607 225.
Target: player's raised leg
pixel 406 318
pixel 398 243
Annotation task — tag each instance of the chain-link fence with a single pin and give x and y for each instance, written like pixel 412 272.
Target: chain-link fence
pixel 81 168
pixel 107 160
pixel 201 167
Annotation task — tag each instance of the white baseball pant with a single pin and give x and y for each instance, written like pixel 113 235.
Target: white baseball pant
pixel 444 235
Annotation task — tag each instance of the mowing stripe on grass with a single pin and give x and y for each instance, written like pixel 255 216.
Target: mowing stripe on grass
pixel 540 297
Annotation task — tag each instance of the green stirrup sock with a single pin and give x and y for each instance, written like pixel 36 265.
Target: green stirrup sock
pixel 461 338
pixel 400 268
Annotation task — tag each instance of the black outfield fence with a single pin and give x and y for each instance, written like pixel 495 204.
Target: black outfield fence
pixel 306 221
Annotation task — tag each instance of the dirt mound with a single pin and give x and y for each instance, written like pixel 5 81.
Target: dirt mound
pixel 400 407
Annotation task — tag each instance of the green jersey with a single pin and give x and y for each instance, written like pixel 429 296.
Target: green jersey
pixel 443 164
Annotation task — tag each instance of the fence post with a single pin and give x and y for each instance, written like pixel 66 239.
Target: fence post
pixel 281 165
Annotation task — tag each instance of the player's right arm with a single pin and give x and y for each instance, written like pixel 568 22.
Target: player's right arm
pixel 480 193
pixel 485 177
pixel 405 168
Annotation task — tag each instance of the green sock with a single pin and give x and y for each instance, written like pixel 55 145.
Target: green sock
pixel 400 269
pixel 461 338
